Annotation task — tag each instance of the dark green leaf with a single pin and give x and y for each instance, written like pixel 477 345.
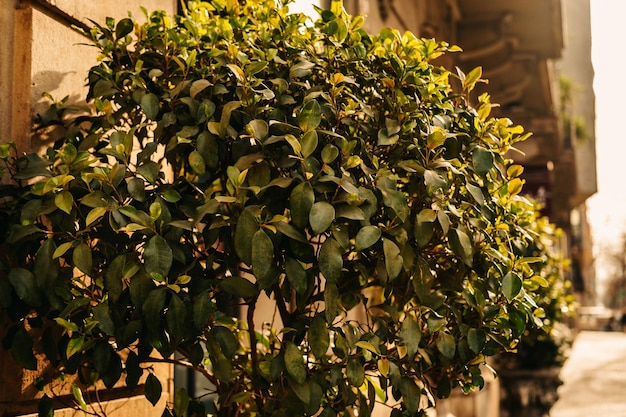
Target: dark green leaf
pixel 239 287
pixel 309 143
pixel 22 349
pixel 247 226
pixel 300 202
pixel 310 116
pixel 262 254
pixel 511 285
pixel 476 340
pixel 461 245
pixel 82 258
pixel 411 395
pixel 207 146
pixel 158 256
pixel 197 163
pixel 393 259
pixel 25 286
pixel 446 345
pixel 366 237
pixel 482 160
pixel 331 295
pixel 123 28
pixel 203 306
pixel 45 407
pixel 227 341
pixel 153 307
pixel 355 373
pixel 150 105
pixel 410 335
pixel 152 389
pixel 321 216
pixel 102 315
pixel 331 260
pixel 294 362
pixel 296 274
pixel 176 318
pixel 319 337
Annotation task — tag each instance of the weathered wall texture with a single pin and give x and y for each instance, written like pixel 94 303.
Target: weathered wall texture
pixel 41 53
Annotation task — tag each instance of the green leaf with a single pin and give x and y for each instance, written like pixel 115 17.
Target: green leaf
pixel 74 346
pixel 94 215
pixel 262 254
pixel 310 116
pixel 319 337
pixel 198 86
pixel 511 285
pixel 208 148
pixel 300 202
pixel 385 138
pixel 446 345
pixel 102 315
pixel 152 389
pixel 45 407
pixel 82 258
pixel 321 216
pixel 25 286
pixel 150 105
pixel 294 363
pixel 203 307
pixel 410 335
pixel 181 402
pixel 476 340
pixel 482 159
pixel 22 349
pixel 393 259
pixel 247 226
pixel 196 162
pixel 301 69
pixel 366 237
pixel 78 396
pixel 153 307
pixel 411 395
pixel 331 260
pixel 331 295
pixel 239 287
pixel 227 341
pixel 329 153
pixel 309 143
pixel 258 128
pixel 124 27
pixel 64 201
pixel 476 193
pixel 296 275
pixel 176 318
pixel 158 256
pixel 461 245
pixel 355 373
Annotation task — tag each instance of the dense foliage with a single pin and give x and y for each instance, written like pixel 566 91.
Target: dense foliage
pixel 240 159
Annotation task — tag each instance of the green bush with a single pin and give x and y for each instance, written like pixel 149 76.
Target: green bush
pixel 237 152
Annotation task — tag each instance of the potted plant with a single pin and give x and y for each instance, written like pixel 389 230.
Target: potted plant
pixel 239 158
pixel 529 374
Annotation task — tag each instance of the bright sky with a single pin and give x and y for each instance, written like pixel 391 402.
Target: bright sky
pixel 607 208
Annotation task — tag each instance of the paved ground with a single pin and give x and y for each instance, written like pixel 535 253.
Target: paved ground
pixel 594 377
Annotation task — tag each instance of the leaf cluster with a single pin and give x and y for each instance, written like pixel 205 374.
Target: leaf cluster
pixel 238 154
